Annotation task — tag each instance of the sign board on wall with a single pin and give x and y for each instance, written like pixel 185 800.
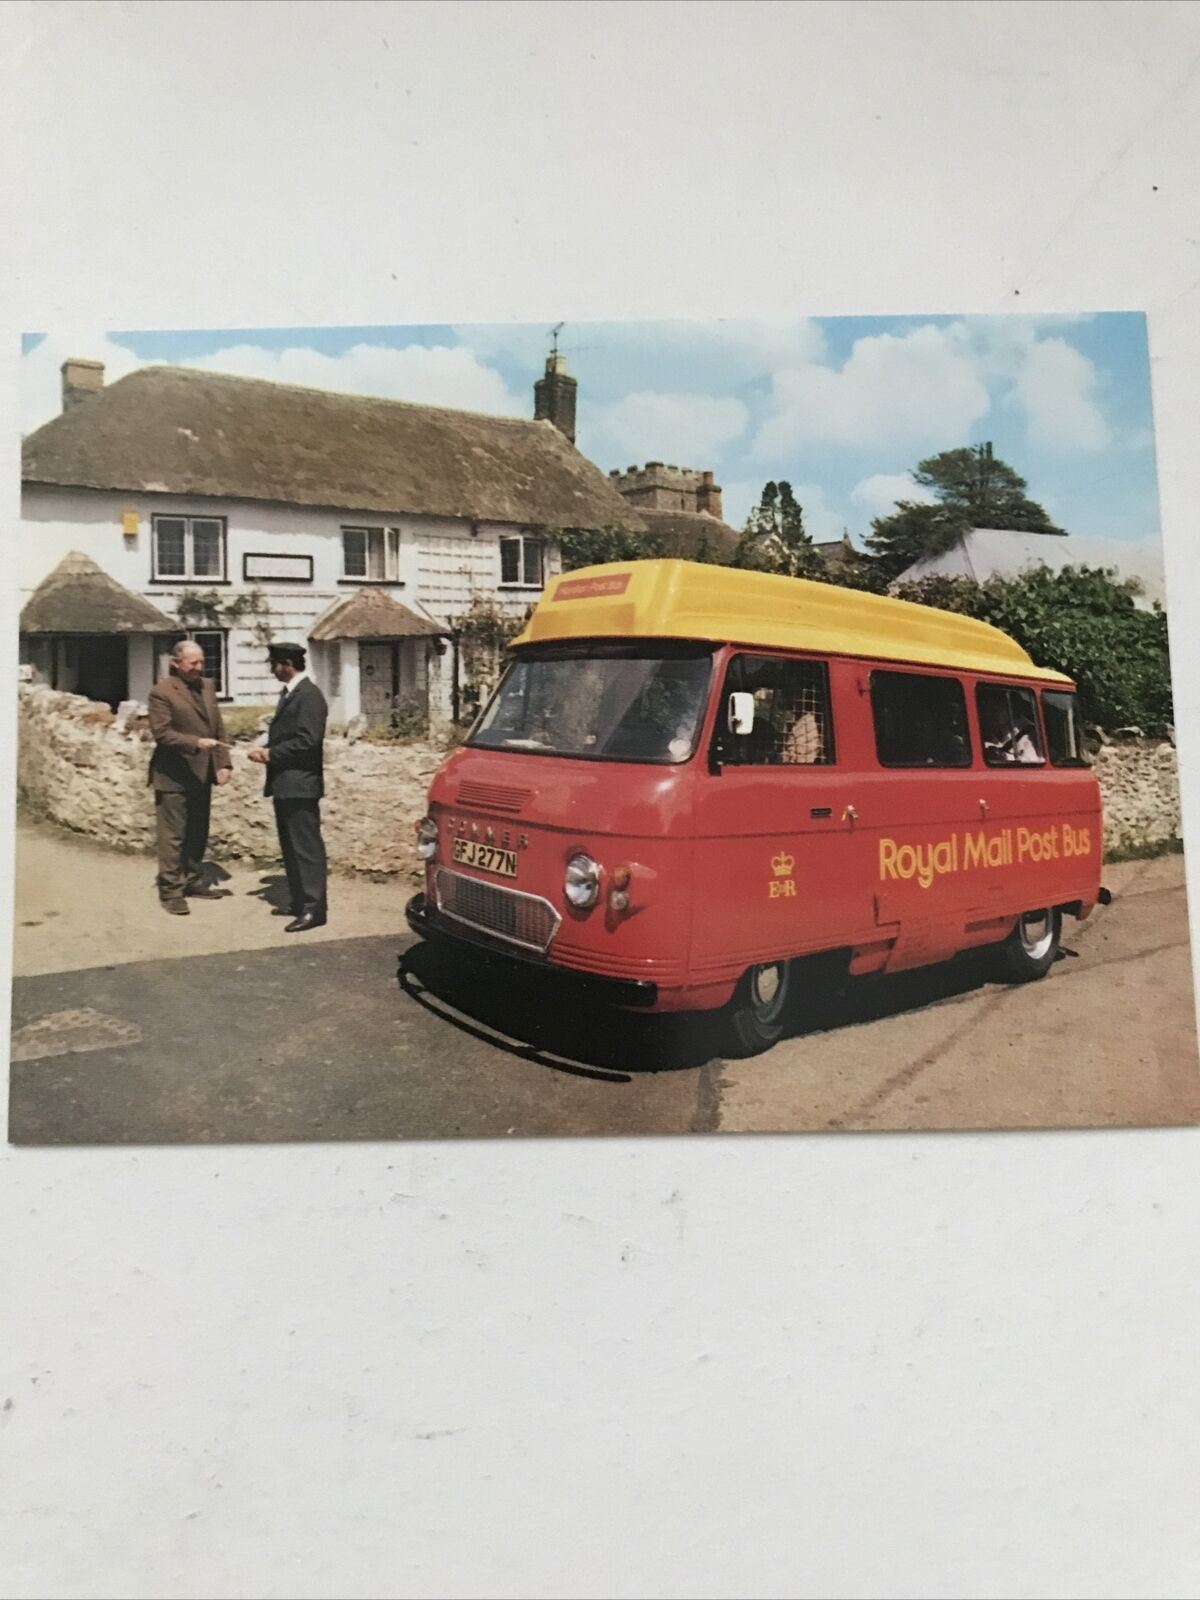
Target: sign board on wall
pixel 277 568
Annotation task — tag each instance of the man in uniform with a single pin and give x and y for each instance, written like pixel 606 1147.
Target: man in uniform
pixel 190 755
pixel 293 757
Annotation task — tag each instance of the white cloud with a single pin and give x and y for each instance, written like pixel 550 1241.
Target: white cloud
pixel 440 376
pixel 41 377
pixel 759 346
pixel 686 429
pixel 880 493
pixel 1055 386
pixel 617 355
pixel 914 390
pixel 821 521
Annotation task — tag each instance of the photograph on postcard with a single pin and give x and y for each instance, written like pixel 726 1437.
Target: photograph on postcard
pixel 601 728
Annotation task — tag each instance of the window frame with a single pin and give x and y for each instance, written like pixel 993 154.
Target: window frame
pixel 724 743
pixel 390 536
pixel 189 574
pixel 992 686
pixel 525 542
pixel 921 766
pixel 165 642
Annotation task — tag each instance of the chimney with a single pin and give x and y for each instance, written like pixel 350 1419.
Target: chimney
pixel 79 380
pixel 554 396
pixel 708 496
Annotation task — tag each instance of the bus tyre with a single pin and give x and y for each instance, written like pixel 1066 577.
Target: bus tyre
pixel 758 1012
pixel 1030 949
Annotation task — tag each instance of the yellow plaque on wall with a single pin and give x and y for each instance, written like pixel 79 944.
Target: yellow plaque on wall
pixel 130 522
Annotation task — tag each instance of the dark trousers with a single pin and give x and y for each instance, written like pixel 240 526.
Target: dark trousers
pixel 299 824
pixel 181 827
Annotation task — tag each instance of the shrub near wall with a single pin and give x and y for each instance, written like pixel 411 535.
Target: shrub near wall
pixel 76 768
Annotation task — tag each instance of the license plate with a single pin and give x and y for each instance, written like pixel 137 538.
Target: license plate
pixel 470 853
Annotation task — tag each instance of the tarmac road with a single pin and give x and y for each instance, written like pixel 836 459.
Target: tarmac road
pixel 221 1028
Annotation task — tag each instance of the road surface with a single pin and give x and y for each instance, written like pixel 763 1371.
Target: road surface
pixel 131 1027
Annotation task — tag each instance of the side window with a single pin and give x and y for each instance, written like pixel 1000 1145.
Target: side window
pixel 1064 728
pixel 1008 725
pixel 920 720
pixel 793 726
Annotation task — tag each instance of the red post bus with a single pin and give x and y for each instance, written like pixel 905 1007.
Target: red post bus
pixel 691 779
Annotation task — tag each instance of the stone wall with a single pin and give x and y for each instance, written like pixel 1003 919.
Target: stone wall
pixel 1140 783
pixel 78 767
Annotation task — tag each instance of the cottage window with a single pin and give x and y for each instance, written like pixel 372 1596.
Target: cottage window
pixel 521 564
pixel 215 644
pixel 372 555
pixel 188 547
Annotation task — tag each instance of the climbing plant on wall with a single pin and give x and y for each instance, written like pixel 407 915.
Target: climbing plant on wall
pixel 484 632
pixel 208 608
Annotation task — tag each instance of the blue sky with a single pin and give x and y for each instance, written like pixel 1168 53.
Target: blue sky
pixel 843 407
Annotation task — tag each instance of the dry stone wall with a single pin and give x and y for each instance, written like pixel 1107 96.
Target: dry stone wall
pixel 1140 783
pixel 79 767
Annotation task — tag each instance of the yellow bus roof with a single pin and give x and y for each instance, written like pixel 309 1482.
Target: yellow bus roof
pixel 691 600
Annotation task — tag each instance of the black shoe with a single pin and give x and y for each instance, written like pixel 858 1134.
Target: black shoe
pixel 177 907
pixel 303 923
pixel 205 891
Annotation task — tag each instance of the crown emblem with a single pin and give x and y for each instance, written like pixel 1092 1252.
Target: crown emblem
pixel 782 864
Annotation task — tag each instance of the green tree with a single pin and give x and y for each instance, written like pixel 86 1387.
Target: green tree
pixel 775 539
pixel 1083 621
pixel 592 547
pixel 973 489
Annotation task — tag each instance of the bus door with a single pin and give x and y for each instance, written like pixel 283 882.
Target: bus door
pixel 774 822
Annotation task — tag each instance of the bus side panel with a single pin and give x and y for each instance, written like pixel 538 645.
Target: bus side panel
pixel 954 855
pixel 774 872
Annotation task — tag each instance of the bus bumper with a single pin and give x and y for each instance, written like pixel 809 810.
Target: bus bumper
pixel 635 993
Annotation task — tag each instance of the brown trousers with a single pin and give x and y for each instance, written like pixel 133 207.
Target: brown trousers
pixel 181 825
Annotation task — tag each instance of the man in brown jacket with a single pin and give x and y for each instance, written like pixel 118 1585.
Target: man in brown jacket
pixel 190 755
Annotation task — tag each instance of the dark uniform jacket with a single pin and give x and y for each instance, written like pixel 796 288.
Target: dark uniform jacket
pixel 295 742
pixel 179 715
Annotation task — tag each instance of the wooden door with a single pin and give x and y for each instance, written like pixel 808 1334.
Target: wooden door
pixel 378 670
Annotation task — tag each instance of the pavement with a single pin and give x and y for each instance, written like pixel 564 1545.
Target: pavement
pixel 133 1027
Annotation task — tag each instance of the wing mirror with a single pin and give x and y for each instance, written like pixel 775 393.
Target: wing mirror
pixel 741 712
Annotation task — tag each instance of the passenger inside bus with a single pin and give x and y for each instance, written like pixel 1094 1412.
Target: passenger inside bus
pixel 1009 739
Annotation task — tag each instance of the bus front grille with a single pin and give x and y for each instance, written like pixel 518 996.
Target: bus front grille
pixel 520 919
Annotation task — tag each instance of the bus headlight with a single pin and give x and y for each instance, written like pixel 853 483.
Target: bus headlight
pixel 582 883
pixel 427 839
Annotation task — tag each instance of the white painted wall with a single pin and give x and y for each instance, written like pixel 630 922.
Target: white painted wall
pixel 443 567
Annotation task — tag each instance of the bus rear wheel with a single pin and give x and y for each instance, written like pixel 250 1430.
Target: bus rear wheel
pixel 758 1012
pixel 1032 947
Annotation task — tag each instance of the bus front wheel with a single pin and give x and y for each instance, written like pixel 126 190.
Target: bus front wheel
pixel 757 1014
pixel 1032 947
